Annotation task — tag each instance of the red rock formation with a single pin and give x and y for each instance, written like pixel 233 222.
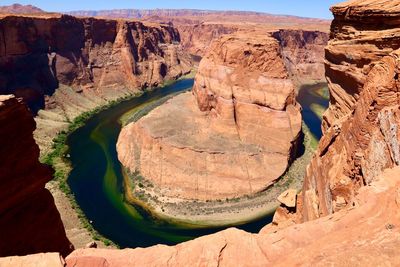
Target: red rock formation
pixel 304 53
pixel 350 190
pixel 360 127
pixel 105 58
pixel 198 28
pixel 42 259
pixel 20 9
pixel 196 38
pixel 29 220
pixel 240 137
pixel 361 33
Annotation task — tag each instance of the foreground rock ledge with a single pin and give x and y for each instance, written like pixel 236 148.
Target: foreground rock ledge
pixel 234 137
pixel 337 240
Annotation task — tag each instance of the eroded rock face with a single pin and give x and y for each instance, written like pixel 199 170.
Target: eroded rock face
pixel 234 137
pixel 197 37
pixel 361 136
pixel 104 58
pixel 304 53
pixel 29 220
pixel 362 33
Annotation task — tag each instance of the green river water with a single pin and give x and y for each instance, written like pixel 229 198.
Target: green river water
pixel 97 183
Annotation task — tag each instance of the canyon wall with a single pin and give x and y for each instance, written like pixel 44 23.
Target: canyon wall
pixel 29 220
pixel 38 54
pixel 304 53
pixel 234 137
pixel 350 199
pixel 197 38
pixel 361 125
pixel 62 66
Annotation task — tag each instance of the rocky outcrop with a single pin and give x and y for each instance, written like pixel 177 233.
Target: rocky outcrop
pixel 362 33
pixel 104 58
pixel 237 134
pixel 361 125
pixel 198 28
pixel 304 53
pixel 29 220
pixel 37 260
pixel 197 38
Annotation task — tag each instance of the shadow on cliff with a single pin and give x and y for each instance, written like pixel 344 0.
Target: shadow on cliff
pixel 30 77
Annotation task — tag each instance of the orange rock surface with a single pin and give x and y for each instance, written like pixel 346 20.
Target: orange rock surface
pixel 96 57
pixel 234 137
pixel 361 125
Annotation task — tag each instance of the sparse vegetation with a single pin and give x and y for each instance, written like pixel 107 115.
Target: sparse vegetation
pixel 58 159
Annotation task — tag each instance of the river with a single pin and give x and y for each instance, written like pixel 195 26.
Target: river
pixel 97 183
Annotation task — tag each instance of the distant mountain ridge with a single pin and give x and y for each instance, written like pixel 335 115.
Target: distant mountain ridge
pixel 206 15
pixel 20 9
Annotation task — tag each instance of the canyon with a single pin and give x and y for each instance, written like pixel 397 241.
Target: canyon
pixel 62 66
pixel 233 136
pixel 186 152
pixel 346 212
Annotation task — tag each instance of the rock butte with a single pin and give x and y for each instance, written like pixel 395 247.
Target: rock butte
pixel 350 200
pixel 234 136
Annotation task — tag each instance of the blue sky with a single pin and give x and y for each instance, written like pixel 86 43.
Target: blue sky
pixel 305 8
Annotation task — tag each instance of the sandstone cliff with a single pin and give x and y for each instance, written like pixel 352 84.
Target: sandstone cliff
pixel 93 56
pixel 198 28
pixel 361 125
pixel 29 220
pixel 350 196
pixel 349 180
pixel 63 66
pixel 234 137
pixel 304 53
pixel 196 38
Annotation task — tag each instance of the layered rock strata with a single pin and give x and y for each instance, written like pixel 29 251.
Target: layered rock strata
pixel 362 33
pixel 93 56
pixel 361 125
pixel 234 136
pixel 62 66
pixel 29 220
pixel 304 53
